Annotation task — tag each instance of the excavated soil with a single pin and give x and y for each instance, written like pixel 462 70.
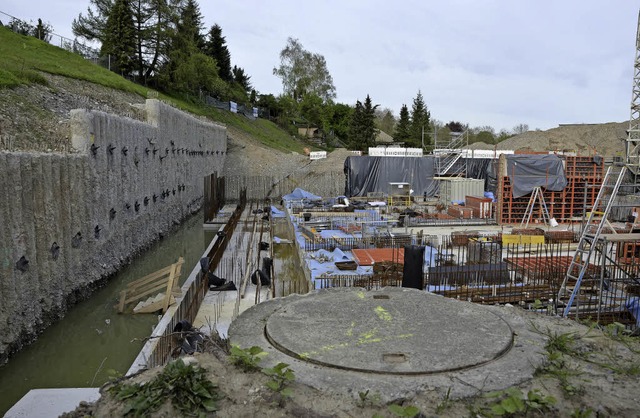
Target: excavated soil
pixel 606 139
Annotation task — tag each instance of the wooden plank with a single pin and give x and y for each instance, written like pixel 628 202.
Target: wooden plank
pixel 153 307
pixel 165 271
pixel 123 296
pixel 154 290
pixel 167 293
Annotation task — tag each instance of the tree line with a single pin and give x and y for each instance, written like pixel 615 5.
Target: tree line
pixel 163 44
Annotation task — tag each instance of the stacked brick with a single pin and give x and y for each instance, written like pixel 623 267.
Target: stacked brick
pixel 584 177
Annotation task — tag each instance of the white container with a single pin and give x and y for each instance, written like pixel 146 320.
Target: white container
pixel 455 189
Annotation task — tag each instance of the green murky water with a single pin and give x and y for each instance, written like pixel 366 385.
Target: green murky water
pixel 93 341
pixel 288 271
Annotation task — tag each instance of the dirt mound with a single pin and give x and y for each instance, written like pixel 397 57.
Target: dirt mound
pixel 605 139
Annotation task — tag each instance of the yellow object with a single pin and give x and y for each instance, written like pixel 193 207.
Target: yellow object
pixel 522 239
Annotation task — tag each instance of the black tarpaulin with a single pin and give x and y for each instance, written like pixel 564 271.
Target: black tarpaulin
pixel 373 174
pixel 528 171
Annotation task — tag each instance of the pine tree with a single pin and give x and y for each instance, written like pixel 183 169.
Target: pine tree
pixel 189 27
pixel 241 78
pixel 152 25
pixel 355 138
pixel 420 122
pixel 216 48
pixel 369 130
pixel 403 126
pixel 119 41
pixel 181 64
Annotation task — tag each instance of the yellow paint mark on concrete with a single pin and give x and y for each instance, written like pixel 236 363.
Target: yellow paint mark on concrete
pixel 367 336
pixel 332 347
pixel 350 330
pixel 360 294
pixel 383 314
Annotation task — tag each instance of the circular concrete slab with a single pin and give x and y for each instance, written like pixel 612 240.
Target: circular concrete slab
pixel 391 331
pixel 393 342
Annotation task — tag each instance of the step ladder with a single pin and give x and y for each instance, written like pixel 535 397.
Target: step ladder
pixel 596 220
pixel 536 196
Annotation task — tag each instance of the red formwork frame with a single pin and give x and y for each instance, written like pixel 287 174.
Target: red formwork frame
pixel 568 205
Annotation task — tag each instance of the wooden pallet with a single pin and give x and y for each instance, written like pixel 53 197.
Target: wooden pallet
pixel 164 280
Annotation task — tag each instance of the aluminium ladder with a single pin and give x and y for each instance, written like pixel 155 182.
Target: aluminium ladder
pixel 536 195
pixel 592 229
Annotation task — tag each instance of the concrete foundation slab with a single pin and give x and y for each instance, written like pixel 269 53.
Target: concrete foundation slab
pixel 51 402
pixel 395 332
pixel 394 342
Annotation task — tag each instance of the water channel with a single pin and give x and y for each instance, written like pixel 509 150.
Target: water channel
pixel 93 342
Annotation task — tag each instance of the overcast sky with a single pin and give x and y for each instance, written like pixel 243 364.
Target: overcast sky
pixel 489 62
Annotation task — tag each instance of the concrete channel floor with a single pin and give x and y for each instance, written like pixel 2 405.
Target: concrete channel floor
pixel 44 403
pixel 394 342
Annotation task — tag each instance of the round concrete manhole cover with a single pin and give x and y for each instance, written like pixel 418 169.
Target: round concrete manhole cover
pixel 391 331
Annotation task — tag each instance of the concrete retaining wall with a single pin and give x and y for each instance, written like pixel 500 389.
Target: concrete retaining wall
pixel 76 218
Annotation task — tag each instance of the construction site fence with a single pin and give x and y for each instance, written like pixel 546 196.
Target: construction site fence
pixel 274 187
pixel 420 221
pixel 191 301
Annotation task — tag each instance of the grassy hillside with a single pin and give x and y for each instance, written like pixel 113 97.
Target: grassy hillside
pixel 24 58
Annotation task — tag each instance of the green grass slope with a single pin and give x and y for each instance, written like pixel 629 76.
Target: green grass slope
pixel 24 58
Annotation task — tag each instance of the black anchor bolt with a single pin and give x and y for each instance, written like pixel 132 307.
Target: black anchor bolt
pixel 217 152
pixel 166 151
pixel 172 143
pixel 125 150
pixel 110 148
pixel 76 240
pixel 22 264
pixel 112 213
pixel 155 197
pixel 162 158
pixel 136 206
pixel 55 250
pixel 155 150
pixel 150 141
pixel 94 149
pixel 146 150
pixel 127 205
pixel 200 144
pixel 173 150
pixel 96 231
pixel 136 160
pixel 146 200
pixel 174 192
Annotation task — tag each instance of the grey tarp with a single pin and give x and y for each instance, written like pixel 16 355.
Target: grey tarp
pixel 528 171
pixel 373 174
pixel 299 194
